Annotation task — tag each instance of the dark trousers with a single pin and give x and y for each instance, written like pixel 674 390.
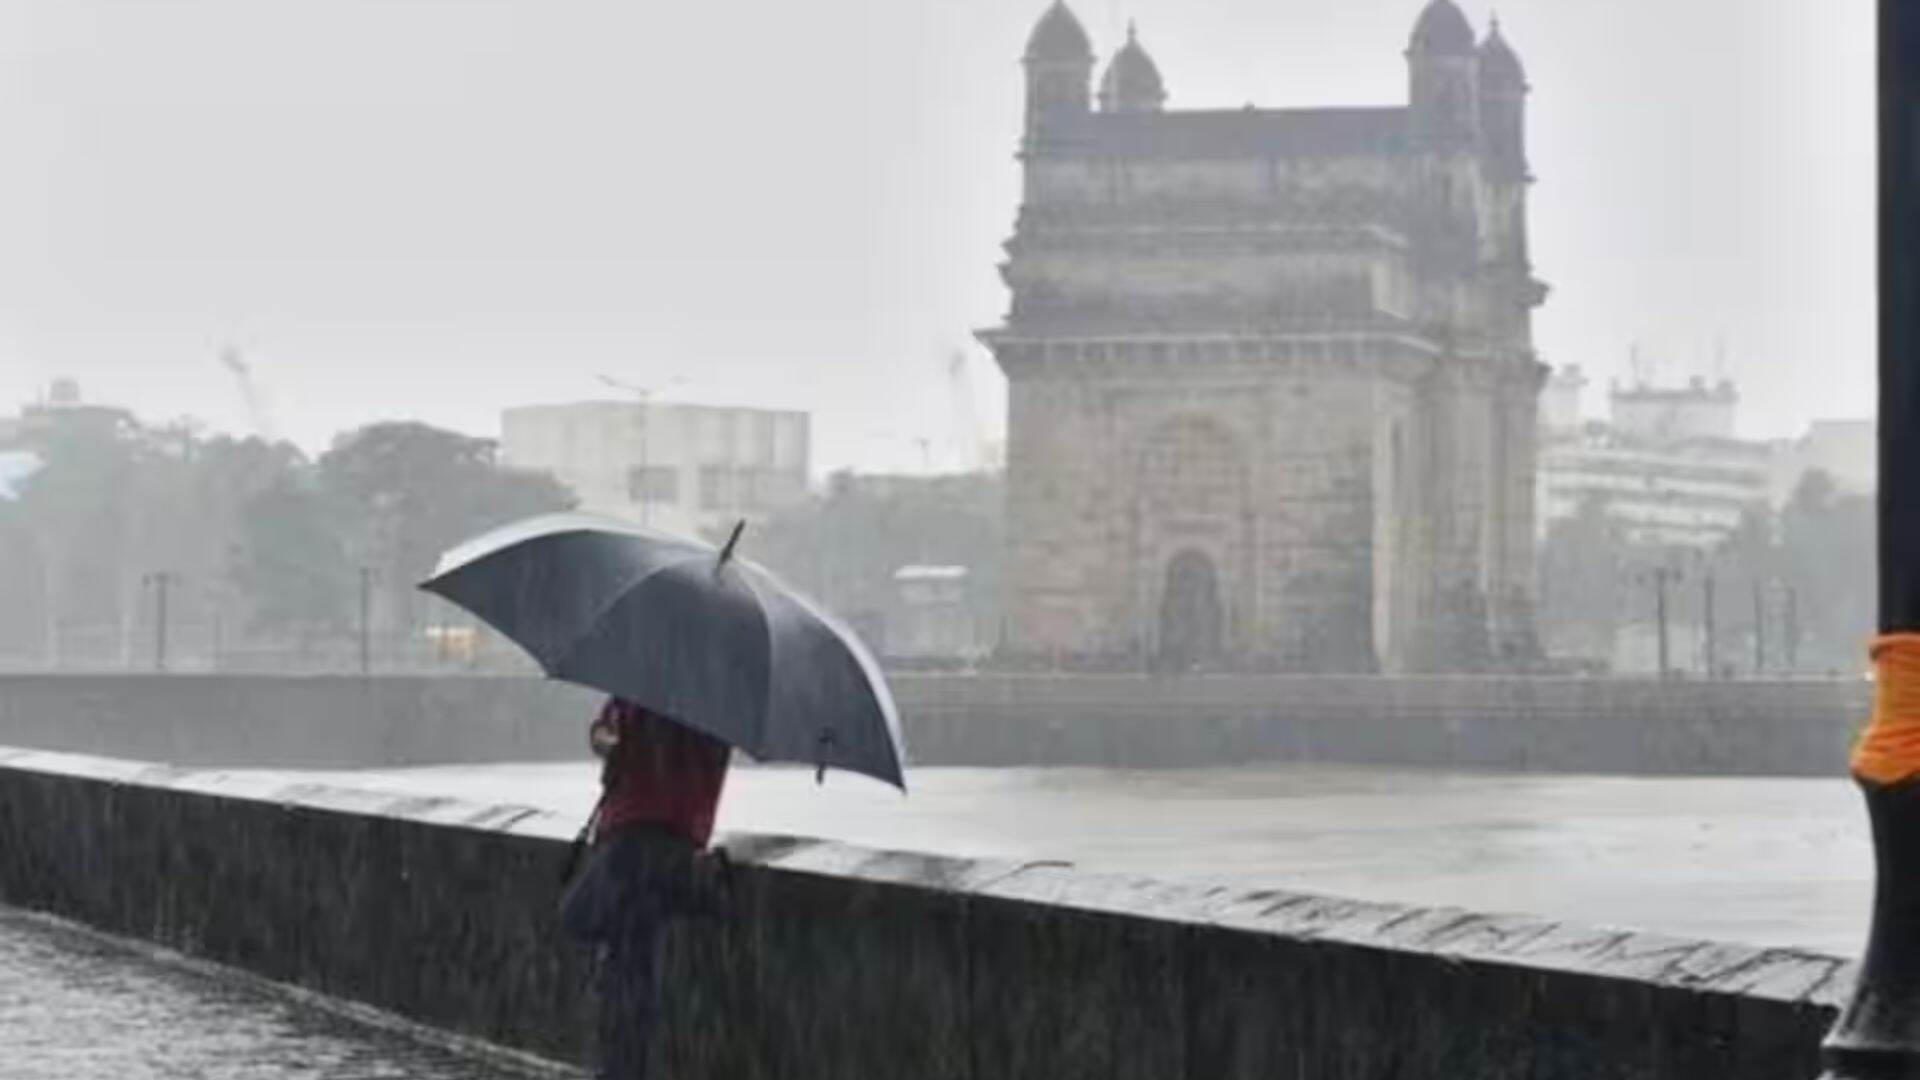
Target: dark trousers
pixel 636 880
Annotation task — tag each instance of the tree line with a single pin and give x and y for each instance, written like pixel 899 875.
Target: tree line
pixel 1790 591
pixel 239 546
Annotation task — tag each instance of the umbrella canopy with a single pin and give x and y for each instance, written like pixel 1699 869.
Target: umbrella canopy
pixel 685 630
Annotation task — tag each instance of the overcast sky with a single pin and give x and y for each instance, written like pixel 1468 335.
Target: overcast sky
pixel 437 208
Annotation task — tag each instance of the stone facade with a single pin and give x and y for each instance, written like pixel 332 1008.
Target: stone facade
pixel 1272 384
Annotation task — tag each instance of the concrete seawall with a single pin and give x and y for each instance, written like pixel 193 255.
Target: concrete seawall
pixel 1800 728
pixel 841 963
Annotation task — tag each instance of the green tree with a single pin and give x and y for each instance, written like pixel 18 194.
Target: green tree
pixel 20 585
pixel 1827 549
pixel 1745 567
pixel 252 532
pixel 290 562
pixel 405 492
pixel 75 522
pixel 1585 572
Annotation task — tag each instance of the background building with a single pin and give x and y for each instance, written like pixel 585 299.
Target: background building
pixel 62 412
pixel 1666 465
pixel 933 616
pixel 1272 384
pixel 690 469
pixel 1670 544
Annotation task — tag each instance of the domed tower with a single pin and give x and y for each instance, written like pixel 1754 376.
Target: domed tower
pixel 1503 108
pixel 1503 124
pixel 1443 61
pixel 1059 64
pixel 1132 83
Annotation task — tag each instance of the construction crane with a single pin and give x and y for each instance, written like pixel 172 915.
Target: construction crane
pixel 231 359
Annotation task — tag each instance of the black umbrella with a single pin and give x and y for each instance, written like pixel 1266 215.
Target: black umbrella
pixel 685 630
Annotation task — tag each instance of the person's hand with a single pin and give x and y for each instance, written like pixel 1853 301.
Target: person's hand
pixel 602 737
pixel 713 871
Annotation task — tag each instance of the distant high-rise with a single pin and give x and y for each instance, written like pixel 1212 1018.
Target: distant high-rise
pixel 1666 466
pixel 1272 379
pixel 691 469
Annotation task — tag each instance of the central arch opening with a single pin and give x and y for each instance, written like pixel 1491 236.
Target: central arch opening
pixel 1190 613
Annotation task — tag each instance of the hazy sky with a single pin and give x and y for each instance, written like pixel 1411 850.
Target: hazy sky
pixel 436 208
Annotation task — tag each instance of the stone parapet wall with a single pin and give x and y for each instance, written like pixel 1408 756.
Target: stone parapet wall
pixel 838 962
pixel 1569 725
pixel 1798 728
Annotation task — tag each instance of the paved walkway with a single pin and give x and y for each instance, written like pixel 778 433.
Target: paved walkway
pixel 80 1006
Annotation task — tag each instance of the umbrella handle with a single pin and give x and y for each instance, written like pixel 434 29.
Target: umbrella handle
pixel 574 851
pixel 826 741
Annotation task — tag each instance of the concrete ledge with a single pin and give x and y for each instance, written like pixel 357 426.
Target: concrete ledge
pixel 1801 728
pixel 842 963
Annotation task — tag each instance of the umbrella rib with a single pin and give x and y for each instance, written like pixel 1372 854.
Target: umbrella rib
pixel 875 680
pixel 766 627
pixel 600 613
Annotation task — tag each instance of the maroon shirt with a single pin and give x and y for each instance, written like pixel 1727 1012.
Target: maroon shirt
pixel 659 773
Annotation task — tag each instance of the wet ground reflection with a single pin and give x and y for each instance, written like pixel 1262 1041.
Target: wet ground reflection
pixel 79 1006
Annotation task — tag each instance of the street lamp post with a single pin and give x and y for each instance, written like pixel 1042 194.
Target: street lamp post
pixel 162 582
pixel 1708 630
pixel 644 396
pixel 366 621
pixel 1791 632
pixel 1878 1034
pixel 1662 577
pixel 1660 613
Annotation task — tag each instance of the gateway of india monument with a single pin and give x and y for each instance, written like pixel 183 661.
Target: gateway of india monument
pixel 1271 371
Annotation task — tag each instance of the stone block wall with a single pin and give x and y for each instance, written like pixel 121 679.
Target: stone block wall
pixel 1618 726
pixel 297 721
pixel 1565 725
pixel 838 962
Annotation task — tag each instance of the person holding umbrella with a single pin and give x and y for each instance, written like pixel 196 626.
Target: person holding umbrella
pixel 687 631
pixel 702 653
pixel 659 788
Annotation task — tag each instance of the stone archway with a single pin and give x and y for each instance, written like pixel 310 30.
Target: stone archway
pixel 1191 543
pixel 1192 618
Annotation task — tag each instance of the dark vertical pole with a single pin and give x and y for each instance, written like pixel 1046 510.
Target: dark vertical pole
pixel 161 582
pixel 1879 1033
pixel 1712 665
pixel 1899 313
pixel 1759 628
pixel 366 621
pixel 1660 617
pixel 646 496
pixel 1792 631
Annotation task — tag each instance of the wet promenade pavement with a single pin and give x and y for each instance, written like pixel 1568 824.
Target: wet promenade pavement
pixel 80 1006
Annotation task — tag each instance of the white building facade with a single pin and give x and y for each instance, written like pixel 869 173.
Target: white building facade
pixel 687 469
pixel 1666 466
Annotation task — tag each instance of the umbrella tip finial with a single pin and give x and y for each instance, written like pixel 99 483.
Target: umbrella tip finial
pixel 726 553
